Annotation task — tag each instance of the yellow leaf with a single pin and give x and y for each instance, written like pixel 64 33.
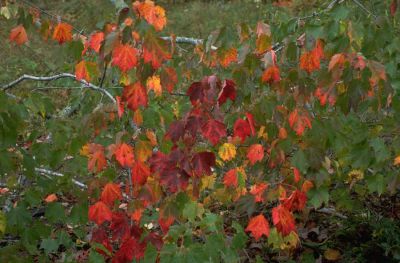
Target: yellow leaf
pixel 154 83
pixel 207 182
pixel 332 254
pixel 227 151
pixel 84 150
pixel 143 151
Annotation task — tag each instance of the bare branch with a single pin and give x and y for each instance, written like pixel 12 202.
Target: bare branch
pixel 58 76
pixel 48 173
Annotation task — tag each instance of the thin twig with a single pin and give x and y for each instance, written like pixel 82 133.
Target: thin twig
pixel 58 76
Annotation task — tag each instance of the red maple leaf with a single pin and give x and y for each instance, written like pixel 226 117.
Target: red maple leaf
pixel 296 201
pixel 18 35
pixel 271 75
pixel 213 130
pixel 231 178
pixel 99 213
pixel 111 192
pixel 202 163
pixel 255 153
pixel 140 172
pixel 258 191
pixel 299 120
pixel 283 220
pixel 258 226
pixel 97 159
pixel 124 57
pixel 124 155
pixel 129 250
pixel 228 91
pixel 135 95
pixel 241 129
pixel 155 50
pixel 62 33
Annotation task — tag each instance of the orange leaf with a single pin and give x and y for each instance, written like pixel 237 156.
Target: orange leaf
pixel 258 226
pixel 111 192
pixel 307 185
pixel 152 137
pixel 231 178
pixel 95 41
pixel 154 83
pixel 135 95
pixel 310 61
pixel 99 213
pixel 137 117
pixel 282 133
pixel 255 153
pixel 226 57
pixel 271 75
pixel 62 33
pixel 82 70
pixel 143 150
pixel 51 198
pixel 124 57
pixel 154 15
pixel 296 174
pixel 137 215
pixel 124 155
pixel 97 159
pixel 283 220
pixel 336 60
pixel 299 120
pixel 18 35
pixel 121 106
pixel 258 191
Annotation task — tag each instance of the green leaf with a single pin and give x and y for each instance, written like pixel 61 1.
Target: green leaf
pixel 55 212
pixel 318 196
pixel 49 245
pixel 150 255
pixel 300 162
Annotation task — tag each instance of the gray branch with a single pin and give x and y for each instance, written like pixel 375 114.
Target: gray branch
pixel 55 77
pixel 49 173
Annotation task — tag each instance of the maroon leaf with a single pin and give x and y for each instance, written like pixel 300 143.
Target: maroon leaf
pixel 202 163
pixel 228 92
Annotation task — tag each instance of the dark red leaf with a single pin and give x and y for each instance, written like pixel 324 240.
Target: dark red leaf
pixel 228 91
pixel 202 163
pixel 241 129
